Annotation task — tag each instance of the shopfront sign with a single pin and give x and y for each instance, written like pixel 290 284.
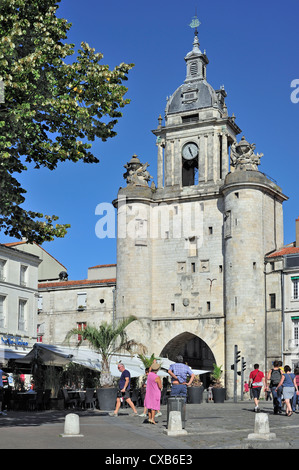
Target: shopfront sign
pixel 13 341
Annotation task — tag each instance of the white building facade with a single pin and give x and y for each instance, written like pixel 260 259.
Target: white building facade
pixel 65 305
pixel 282 300
pixel 18 301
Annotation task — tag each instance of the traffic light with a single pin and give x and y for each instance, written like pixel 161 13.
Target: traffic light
pixel 243 364
pixel 237 355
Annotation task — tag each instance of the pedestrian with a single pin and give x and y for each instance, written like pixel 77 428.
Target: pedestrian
pixel 256 382
pixel 153 392
pixel 273 378
pixel 179 372
pixel 2 412
pixel 210 392
pixel 296 395
pixel 124 390
pixel 288 382
pixel 268 395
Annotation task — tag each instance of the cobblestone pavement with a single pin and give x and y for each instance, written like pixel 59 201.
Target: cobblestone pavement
pixel 208 426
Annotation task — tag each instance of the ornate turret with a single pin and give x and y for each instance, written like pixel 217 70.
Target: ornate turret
pixel 137 174
pixel 243 156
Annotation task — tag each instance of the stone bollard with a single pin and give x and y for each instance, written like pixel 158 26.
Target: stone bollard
pixel 71 426
pixel 261 428
pixel 175 424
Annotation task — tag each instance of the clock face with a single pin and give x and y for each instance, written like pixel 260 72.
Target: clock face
pixel 190 151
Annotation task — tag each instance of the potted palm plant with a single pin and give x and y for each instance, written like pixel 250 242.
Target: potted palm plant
pixel 195 391
pixel 147 361
pixel 218 390
pixel 107 340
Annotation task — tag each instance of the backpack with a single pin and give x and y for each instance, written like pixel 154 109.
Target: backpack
pixel 275 377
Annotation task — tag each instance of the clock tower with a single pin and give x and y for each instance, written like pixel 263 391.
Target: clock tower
pixel 188 245
pixel 193 146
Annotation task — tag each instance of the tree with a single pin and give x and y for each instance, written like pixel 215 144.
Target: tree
pixel 52 108
pixel 107 340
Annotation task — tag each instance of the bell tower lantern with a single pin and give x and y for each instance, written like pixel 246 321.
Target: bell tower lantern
pixel 194 143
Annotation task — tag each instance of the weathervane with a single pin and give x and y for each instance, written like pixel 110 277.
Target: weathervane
pixel 195 23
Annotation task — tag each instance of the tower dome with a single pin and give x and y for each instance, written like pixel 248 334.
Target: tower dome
pixel 195 93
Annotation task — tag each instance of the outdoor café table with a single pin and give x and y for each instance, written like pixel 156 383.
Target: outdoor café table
pixel 74 393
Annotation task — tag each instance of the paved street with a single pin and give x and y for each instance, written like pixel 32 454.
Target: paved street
pixel 209 426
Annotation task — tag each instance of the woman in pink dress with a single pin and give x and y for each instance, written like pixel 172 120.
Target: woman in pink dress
pixel 153 392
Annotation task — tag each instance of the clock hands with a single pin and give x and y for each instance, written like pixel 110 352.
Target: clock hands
pixel 190 151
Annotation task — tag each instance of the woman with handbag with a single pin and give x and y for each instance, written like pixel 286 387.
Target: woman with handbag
pixel 289 385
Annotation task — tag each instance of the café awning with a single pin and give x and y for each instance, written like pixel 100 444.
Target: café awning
pixel 62 355
pixel 8 353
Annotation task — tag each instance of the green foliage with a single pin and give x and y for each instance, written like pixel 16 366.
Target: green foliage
pixel 107 340
pixel 52 379
pixel 216 376
pixel 79 376
pixel 52 108
pixel 147 361
pixel 38 371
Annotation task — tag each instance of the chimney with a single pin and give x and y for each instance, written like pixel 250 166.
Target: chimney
pixel 297 232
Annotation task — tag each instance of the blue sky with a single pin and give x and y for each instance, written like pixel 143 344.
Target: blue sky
pixel 253 51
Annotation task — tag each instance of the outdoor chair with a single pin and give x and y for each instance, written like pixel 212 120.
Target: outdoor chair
pixel 14 401
pixel 89 398
pixel 39 400
pixel 47 396
pixel 68 402
pixel 164 396
pixel 7 398
pixel 82 399
pixel 31 405
pixel 36 402
pixel 135 397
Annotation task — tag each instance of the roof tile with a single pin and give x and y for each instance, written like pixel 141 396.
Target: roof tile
pixel 75 283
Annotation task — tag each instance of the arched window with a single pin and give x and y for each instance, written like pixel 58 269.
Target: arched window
pixel 190 172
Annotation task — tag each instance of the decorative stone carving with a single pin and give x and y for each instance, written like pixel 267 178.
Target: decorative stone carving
pixel 243 156
pixel 137 174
